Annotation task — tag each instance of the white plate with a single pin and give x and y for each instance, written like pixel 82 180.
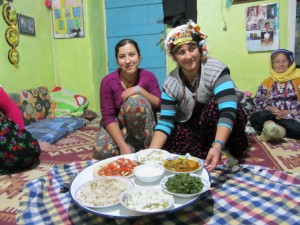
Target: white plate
pixel 119 211
pixel 187 156
pixel 206 186
pixel 146 200
pixel 95 192
pixel 151 156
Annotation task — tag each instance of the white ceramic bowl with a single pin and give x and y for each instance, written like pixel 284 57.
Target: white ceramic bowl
pixel 205 182
pixel 183 164
pixel 149 172
pixel 96 193
pixel 146 200
pixel 151 156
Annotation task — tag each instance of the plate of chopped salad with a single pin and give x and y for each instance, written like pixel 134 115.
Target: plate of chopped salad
pixel 122 167
pixel 185 185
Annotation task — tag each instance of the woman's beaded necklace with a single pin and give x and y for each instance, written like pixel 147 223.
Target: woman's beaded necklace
pixel 127 82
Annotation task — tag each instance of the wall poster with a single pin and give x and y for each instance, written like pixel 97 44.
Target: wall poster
pixel 67 16
pixel 262 27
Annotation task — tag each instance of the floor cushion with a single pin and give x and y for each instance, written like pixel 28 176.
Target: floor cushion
pixel 34 103
pixel 51 130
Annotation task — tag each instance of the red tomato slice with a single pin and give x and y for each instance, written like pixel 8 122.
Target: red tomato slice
pixel 119 167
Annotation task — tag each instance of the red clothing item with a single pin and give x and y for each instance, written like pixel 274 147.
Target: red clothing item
pixel 10 109
pixel 111 90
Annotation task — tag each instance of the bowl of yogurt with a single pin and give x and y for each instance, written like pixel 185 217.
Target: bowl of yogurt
pixel 149 172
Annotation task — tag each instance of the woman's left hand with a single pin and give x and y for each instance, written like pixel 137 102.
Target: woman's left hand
pixel 128 92
pixel 282 114
pixel 212 159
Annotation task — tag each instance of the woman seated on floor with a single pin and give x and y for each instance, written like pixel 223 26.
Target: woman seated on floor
pixel 130 97
pixel 200 114
pixel 277 108
pixel 18 149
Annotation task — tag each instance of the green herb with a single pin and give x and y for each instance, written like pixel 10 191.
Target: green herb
pixel 184 183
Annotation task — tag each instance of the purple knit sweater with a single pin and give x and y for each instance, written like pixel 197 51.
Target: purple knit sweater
pixel 111 90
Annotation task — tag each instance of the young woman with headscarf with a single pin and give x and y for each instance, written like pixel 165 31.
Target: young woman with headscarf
pixel 200 114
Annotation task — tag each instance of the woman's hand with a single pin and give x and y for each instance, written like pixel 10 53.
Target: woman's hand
pixel 212 159
pixel 128 92
pixel 280 114
pixel 273 110
pixel 126 149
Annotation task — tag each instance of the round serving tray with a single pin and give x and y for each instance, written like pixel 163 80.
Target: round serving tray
pixel 119 211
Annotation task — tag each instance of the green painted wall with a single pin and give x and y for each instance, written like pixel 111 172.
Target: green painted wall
pixel 79 64
pixel 247 69
pixel 98 48
pixel 76 64
pixel 36 53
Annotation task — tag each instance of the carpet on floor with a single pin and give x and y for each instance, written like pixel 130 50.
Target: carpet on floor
pixel 77 146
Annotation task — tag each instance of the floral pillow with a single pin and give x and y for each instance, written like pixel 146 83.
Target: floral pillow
pixel 34 104
pixel 65 102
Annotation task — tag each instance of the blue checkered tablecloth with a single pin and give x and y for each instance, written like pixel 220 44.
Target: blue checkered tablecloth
pixel 245 195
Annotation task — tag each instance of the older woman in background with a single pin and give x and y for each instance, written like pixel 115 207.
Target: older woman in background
pixel 277 108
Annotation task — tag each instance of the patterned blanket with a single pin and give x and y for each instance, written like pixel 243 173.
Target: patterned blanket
pixel 77 146
pixel 244 195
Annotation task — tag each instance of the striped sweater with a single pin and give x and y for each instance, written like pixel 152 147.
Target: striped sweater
pixel 214 81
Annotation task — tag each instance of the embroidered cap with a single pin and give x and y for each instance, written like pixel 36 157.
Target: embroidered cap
pixel 289 54
pixel 187 33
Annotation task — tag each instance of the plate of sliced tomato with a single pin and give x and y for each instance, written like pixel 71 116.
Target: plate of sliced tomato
pixel 122 167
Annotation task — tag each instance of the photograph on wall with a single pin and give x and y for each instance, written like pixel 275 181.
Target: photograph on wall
pixel 67 16
pixel 26 25
pixel 262 27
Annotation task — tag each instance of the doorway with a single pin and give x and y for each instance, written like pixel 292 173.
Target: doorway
pixel 141 21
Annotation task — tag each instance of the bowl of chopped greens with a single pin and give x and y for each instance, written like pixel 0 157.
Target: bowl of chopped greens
pixel 185 185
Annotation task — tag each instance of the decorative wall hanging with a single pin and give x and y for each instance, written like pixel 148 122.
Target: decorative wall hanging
pixel 26 25
pixel 12 37
pixel 14 57
pixel 262 27
pixel 67 17
pixel 10 15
